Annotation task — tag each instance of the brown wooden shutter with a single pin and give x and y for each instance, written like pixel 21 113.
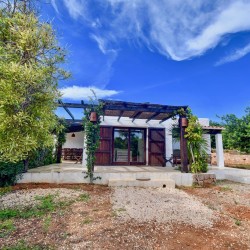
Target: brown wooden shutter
pixel 156 151
pixel 104 152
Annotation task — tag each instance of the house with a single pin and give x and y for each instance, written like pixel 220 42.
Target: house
pixel 138 134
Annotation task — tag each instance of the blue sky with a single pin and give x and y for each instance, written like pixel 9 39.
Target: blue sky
pixel 175 52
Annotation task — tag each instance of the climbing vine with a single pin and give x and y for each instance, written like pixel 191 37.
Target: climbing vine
pixel 197 144
pixel 92 134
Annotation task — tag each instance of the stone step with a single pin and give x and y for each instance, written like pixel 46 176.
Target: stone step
pixel 167 183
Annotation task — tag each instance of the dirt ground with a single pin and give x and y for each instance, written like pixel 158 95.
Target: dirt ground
pixel 96 225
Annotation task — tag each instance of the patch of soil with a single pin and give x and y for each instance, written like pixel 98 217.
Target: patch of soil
pixel 94 225
pixel 239 212
pixel 86 187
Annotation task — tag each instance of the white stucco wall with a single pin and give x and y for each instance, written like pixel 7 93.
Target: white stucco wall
pixel 141 123
pixel 77 141
pixel 74 142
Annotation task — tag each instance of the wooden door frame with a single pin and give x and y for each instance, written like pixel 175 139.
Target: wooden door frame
pixel 149 143
pixel 113 148
pixel 110 146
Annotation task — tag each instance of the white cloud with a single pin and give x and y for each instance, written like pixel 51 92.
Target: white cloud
pixel 175 28
pixel 107 68
pixel 76 8
pixel 233 19
pixel 236 55
pixel 83 93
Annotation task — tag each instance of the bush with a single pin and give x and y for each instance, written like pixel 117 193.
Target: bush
pixel 10 173
pixel 41 157
pixel 200 164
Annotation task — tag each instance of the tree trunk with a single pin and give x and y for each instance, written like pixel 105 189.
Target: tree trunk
pixel 59 153
pixel 26 164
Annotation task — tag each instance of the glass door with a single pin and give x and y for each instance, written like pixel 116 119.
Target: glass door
pixel 129 146
pixel 137 146
pixel 121 143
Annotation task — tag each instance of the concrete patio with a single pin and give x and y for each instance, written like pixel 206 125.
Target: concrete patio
pixel 127 175
pixel 108 175
pixel 72 167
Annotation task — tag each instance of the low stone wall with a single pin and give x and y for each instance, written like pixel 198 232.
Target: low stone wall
pixel 232 159
pixel 203 180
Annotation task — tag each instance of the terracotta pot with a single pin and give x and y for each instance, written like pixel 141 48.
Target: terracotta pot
pixel 184 122
pixel 93 117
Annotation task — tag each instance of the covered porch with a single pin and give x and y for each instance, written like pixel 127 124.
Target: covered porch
pixel 134 134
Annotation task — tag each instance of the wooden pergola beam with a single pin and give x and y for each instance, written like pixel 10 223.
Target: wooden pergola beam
pixel 137 108
pixel 137 114
pixel 73 105
pixel 66 109
pixel 152 117
pixel 164 119
pixel 141 109
pixel 121 113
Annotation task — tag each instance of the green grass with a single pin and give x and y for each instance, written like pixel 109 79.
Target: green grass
pixel 46 205
pixel 84 197
pixel 86 221
pixel 6 227
pixel 226 188
pixel 238 222
pixel 5 190
pixel 47 223
pixel 22 245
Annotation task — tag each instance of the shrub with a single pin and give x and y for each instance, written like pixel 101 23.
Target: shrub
pixel 10 173
pixel 200 164
pixel 41 157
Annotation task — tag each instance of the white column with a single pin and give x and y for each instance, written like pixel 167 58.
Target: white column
pixel 147 131
pixel 219 151
pixel 84 156
pixel 168 146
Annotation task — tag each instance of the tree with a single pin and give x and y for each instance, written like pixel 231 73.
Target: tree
pixel 237 131
pixel 29 73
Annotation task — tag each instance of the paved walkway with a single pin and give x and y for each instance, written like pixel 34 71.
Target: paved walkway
pixel 232 174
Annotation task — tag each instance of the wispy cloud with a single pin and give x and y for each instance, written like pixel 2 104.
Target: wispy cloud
pixel 76 8
pixel 53 2
pixel 177 29
pixel 111 54
pixel 234 56
pixel 83 93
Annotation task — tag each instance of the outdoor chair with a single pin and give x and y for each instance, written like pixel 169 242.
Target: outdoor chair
pixel 175 158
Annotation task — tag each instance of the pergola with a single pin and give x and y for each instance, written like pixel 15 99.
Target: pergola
pixel 132 110
pixel 146 111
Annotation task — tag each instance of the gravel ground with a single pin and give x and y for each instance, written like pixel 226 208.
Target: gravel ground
pixel 28 198
pixel 161 205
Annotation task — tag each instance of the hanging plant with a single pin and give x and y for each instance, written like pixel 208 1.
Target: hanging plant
pixel 91 122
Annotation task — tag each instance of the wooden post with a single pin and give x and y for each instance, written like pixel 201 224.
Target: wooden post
pixel 59 153
pixel 183 144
